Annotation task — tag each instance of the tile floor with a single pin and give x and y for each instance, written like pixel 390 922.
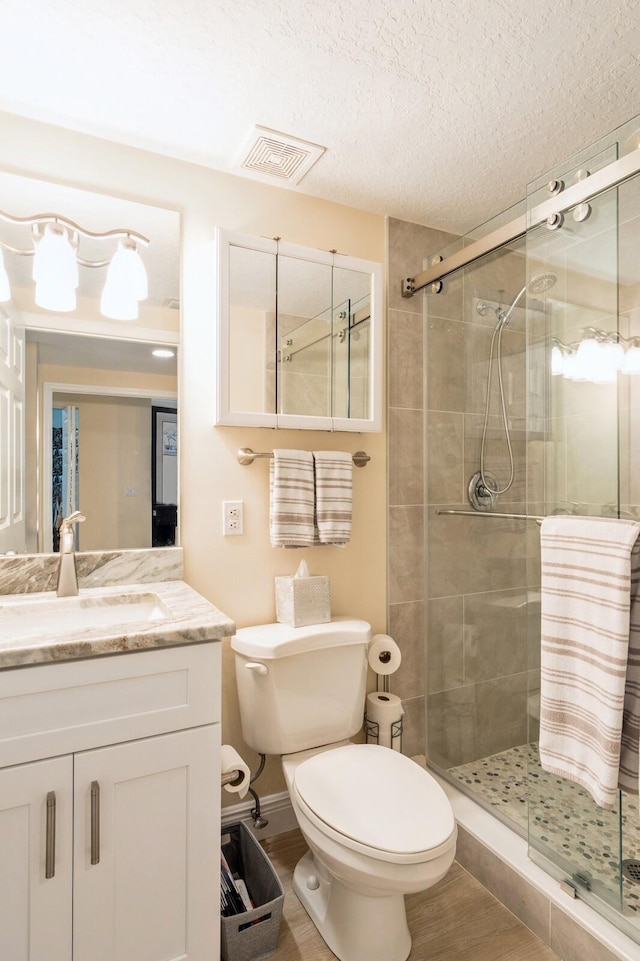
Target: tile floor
pixel 457 920
pixel 565 823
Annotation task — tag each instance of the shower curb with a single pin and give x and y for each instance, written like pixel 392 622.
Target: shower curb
pixel 497 857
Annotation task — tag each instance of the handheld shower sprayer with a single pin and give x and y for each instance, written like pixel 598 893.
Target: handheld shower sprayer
pixel 539 284
pixel 483 489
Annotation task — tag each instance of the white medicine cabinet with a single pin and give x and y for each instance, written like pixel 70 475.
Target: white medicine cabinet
pixel 299 336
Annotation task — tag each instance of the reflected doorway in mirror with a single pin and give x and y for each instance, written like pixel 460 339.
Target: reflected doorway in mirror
pixel 164 475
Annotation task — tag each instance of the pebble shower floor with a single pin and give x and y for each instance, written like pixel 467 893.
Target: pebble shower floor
pixel 563 817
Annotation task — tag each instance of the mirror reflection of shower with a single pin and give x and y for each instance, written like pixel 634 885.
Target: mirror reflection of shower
pixel 484 490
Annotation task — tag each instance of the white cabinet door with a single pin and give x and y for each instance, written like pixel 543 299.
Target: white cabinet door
pixel 36 807
pixel 152 892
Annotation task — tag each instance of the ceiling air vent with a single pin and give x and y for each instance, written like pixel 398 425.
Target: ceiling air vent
pixel 273 156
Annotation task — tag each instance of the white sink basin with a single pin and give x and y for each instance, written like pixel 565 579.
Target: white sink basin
pixel 31 619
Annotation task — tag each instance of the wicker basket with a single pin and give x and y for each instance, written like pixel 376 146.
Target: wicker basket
pixel 252 935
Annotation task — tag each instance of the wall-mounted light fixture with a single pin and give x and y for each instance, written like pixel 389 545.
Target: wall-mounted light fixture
pixel 56 257
pixel 597 357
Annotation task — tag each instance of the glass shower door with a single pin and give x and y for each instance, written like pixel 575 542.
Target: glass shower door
pixel 574 352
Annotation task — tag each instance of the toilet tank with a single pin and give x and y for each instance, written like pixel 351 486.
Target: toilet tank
pixel 301 687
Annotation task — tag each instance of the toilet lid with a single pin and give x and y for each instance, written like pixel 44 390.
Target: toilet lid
pixel 378 798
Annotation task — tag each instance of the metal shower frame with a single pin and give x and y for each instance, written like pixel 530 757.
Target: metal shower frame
pixel 550 212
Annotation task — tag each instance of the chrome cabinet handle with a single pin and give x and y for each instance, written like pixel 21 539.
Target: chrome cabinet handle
pixel 95 822
pixel 50 843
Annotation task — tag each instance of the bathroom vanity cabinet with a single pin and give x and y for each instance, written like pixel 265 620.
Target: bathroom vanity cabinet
pixel 109 807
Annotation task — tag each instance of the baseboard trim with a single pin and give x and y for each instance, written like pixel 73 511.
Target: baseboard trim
pixel 276 808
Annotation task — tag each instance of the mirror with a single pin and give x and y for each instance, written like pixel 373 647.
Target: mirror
pixel 299 336
pixel 90 412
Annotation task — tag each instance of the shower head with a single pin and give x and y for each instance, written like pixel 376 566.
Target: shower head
pixel 542 282
pixel 538 284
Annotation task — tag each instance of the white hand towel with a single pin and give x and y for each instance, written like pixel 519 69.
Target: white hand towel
pixel 586 601
pixel 292 502
pixel 333 470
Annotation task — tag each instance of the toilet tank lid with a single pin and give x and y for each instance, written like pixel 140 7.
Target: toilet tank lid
pixel 269 641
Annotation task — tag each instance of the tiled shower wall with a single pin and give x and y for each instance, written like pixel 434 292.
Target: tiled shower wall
pixel 408 244
pixel 458 582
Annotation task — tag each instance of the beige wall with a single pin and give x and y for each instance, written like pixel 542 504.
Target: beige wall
pixel 236 573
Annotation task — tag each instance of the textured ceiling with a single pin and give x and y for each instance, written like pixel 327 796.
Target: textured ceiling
pixel 434 112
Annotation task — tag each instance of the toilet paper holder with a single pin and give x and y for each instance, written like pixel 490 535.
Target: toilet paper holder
pixel 372 733
pixel 372 728
pixel 384 658
pixel 231 777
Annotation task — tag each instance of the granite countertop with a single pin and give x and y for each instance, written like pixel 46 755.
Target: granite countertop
pixel 179 616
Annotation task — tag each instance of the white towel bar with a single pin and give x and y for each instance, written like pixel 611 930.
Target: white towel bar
pixel 247 456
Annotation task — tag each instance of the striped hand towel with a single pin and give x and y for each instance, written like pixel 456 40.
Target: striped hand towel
pixel 334 471
pixel 292 503
pixel 586 599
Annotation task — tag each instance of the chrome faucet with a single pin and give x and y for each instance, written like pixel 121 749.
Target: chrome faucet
pixel 67 575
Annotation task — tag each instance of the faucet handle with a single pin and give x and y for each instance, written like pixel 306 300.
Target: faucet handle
pixel 67 539
pixel 76 518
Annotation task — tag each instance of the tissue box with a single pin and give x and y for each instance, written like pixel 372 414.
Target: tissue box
pixel 303 600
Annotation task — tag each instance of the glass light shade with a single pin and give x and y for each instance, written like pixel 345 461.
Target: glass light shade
pixel 571 369
pixel 588 358
pixel 557 361
pixel 5 286
pixel 55 296
pixel 116 304
pixel 612 358
pixel 55 262
pixel 127 272
pixel 631 364
pixel 615 354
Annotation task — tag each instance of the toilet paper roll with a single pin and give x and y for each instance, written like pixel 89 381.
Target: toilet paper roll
pixel 384 710
pixel 384 654
pixel 230 762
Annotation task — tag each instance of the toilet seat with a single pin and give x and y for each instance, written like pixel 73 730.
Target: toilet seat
pixel 375 801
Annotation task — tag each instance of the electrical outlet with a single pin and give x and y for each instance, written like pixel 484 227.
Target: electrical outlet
pixel 232 517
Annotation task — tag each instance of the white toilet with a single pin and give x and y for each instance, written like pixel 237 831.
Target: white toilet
pixel 377 824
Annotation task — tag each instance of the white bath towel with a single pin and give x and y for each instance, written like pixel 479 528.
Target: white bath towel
pixel 333 470
pixel 292 500
pixel 586 601
pixel 629 779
